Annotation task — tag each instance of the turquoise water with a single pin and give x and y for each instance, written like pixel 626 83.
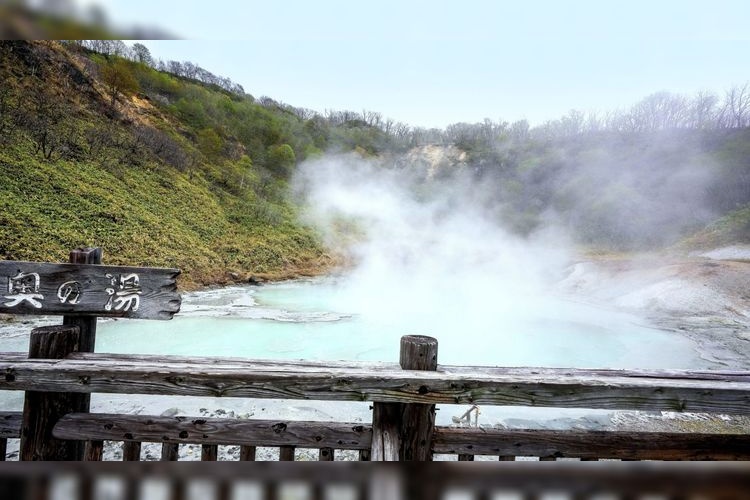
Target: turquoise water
pixel 314 319
pixel 317 319
pixel 325 319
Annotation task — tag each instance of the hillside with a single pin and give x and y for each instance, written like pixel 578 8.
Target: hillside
pixel 103 152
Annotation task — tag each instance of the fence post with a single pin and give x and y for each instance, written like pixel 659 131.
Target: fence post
pixel 403 432
pixel 418 352
pixel 42 410
pixel 87 324
pixel 87 329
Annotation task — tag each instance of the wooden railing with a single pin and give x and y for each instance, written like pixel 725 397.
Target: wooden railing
pixel 60 371
pixel 397 395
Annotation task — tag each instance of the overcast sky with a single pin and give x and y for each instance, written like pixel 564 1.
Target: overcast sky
pixel 431 63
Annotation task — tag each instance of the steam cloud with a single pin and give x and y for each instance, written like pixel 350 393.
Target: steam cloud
pixel 425 253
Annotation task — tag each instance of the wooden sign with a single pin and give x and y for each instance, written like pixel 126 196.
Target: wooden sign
pixel 88 290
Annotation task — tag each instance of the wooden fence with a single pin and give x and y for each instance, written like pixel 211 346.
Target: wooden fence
pixel 61 370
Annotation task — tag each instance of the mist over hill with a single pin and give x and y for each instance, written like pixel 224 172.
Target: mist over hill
pixel 164 163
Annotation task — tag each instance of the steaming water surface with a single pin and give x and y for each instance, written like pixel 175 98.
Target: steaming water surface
pixel 320 319
pixel 308 319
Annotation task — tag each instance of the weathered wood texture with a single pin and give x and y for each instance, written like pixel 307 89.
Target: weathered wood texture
pixel 213 431
pixel 325 455
pixel 286 454
pixel 673 390
pixel 247 453
pixel 86 325
pixel 417 352
pixel 88 289
pixel 41 409
pixel 209 453
pixel 170 452
pixel 94 450
pixel 10 424
pixel 386 435
pixel 552 444
pixel 131 451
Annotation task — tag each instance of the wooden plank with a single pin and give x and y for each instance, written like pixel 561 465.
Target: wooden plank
pixel 564 388
pixel 380 366
pixel 10 424
pixel 131 451
pixel 325 455
pixel 3 449
pixel 386 435
pixel 86 325
pixel 170 452
pixel 247 453
pixel 286 454
pixel 94 450
pixel 41 410
pixel 463 457
pixel 209 453
pixel 88 290
pixel 592 444
pixel 417 352
pixel 213 431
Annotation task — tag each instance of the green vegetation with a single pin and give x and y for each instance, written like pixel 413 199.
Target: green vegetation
pixel 164 163
pixel 102 151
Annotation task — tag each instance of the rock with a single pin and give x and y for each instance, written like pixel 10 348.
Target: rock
pixel 234 276
pixel 253 280
pixel 171 412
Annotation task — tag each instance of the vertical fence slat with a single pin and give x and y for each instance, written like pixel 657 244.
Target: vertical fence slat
pixel 247 453
pixel 325 455
pixel 465 458
pixel 270 490
pixel 170 452
pixel 42 410
pixel 178 490
pixel 93 451
pixel 506 458
pixel 131 488
pixel 364 455
pixel 209 453
pixel 3 448
pixel 286 454
pixel 131 451
pixel 386 441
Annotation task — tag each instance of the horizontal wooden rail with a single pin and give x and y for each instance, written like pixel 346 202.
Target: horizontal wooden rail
pixel 214 431
pixel 675 390
pixel 592 444
pixel 10 424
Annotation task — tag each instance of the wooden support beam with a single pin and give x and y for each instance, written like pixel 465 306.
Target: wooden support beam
pixel 209 453
pixel 403 432
pixel 41 410
pixel 418 352
pixel 247 453
pixel 592 444
pixel 131 451
pixel 213 431
pixel 170 452
pixel 94 450
pixel 325 455
pixel 286 454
